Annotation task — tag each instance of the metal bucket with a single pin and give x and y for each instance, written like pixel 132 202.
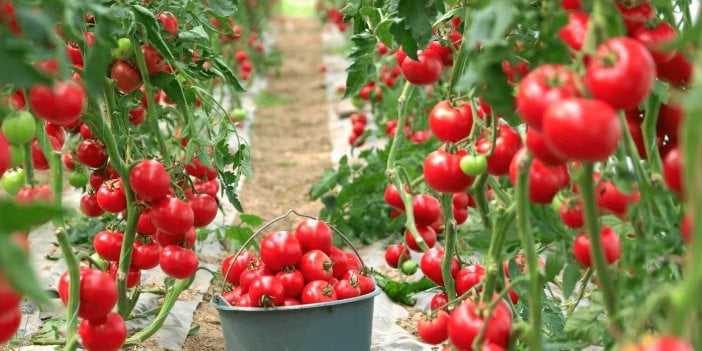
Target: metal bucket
pixel 342 325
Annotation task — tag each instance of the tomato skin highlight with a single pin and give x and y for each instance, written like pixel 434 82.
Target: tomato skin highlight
pixel 314 235
pixel 280 249
pixel 450 124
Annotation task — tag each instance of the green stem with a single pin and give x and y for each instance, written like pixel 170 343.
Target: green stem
pixel 401 119
pixel 73 289
pixel 596 251
pixel 463 55
pixel 450 247
pixel 529 246
pixel 497 190
pixel 581 293
pixel 478 192
pixel 28 166
pixel 648 131
pixel 492 265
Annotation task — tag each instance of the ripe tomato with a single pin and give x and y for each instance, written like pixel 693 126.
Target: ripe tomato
pixel 426 208
pixel 430 265
pixel 467 321
pixel 293 281
pixel 145 255
pixel 655 39
pixel 39 160
pixel 572 216
pixel 610 200
pixel 610 244
pixel 89 206
pixel 154 61
pixel 347 288
pixel 150 180
pixel 110 196
pixel 395 254
pixel 186 240
pixel 172 216
pixel 133 276
pixel 280 249
pixel 536 145
pixel 10 320
pixel 342 262
pixel 231 268
pixel 108 244
pixel 196 169
pixel 136 115
pixel 393 198
pixel 636 16
pixel 573 33
pixel 672 170
pixel 91 153
pixel 426 71
pixel 317 291
pixel 468 277
pixel 316 265
pixel 686 228
pixel 178 262
pixel 5 156
pixel 438 301
pixel 144 225
pixel 435 330
pixel 245 301
pixel 251 273
pixel 428 235
pixel 61 104
pixel 267 291
pixel 450 124
pixel 9 299
pixel 106 334
pixel 443 173
pixel 98 293
pixel 233 296
pixel 581 130
pixel 542 87
pixel 622 73
pixel 126 77
pixel 507 144
pixel 204 209
pixel 664 343
pixel 314 235
pixel 41 193
pixel 544 181
pixel 677 71
pixel 670 117
pixel 170 22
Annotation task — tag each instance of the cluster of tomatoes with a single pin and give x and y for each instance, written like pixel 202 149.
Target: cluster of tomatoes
pixel 334 15
pixel 303 267
pixel 358 128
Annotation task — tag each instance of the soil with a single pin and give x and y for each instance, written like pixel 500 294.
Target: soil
pixel 290 148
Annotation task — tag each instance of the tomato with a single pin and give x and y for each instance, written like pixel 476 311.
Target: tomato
pixel 442 172
pixel 126 77
pixel 611 246
pixel 435 330
pixel 172 216
pixel 20 128
pixel 89 206
pixel 468 277
pixel 393 198
pixel 611 200
pixel 204 209
pixel 233 296
pixel 61 104
pixel 507 144
pixel 144 225
pixel 280 249
pixel 40 193
pixel 572 216
pixel 409 267
pixel 473 164
pixel 91 153
pixel 664 343
pixel 316 265
pixel 573 33
pixel 110 196
pixel 251 273
pixel 124 50
pixel 686 228
pixel 467 320
pixel 544 181
pixel 430 265
pixel 314 235
pixel 426 208
pixel 232 268
pixel 186 240
pixel 428 235
pixel 178 262
pixel 395 254
pixel 169 21
pixel 136 115
pixel 77 179
pixel 451 124
pixel 13 180
pixel 10 320
pixel 460 214
pixel 347 288
pixel 365 282
pixel 438 301
pixel 670 117
pixel 56 135
pixel 267 291
pixel 655 40
pixel 108 244
pixel 133 276
pixel 293 281
pixel 5 156
pixel 196 169
pixel 581 130
pixel 672 170
pixel 636 16
pixel 17 154
pixel 536 145
pixel 98 293
pixel 622 73
pixel 106 334
pixel 154 61
pixel 245 301
pixel 9 299
pixel 677 71
pixel 352 262
pixel 150 180
pixel 317 291
pixel 427 70
pixel 444 52
pixel 541 88
pixel 39 160
pixel 145 256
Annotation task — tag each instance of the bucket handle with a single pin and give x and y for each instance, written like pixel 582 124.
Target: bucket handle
pixel 276 219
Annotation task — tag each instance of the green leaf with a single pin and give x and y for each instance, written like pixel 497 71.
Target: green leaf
pixel 15 265
pixel 571 275
pixel 19 217
pixel 382 31
pixel 362 68
pixel 226 73
pixel 16 69
pixel 222 8
pixel 196 34
pixel 251 220
pixel 553 317
pixel 587 324
pixel 554 264
pixel 490 24
pixel 373 15
pixel 330 179
pixel 418 17
pixel 351 9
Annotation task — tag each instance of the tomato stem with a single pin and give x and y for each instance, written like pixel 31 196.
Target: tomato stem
pixel 492 266
pixel 73 289
pixel 450 246
pixel 28 166
pixel 478 191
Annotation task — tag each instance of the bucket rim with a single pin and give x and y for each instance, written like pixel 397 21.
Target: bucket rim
pixel 221 304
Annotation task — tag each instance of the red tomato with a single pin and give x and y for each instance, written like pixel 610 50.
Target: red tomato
pixel 280 249
pixel 245 301
pixel 672 170
pixel 89 206
pixel 317 291
pixel 314 235
pixel 636 16
pixel 611 200
pixel 442 171
pixel 150 180
pixel 507 144
pixel 293 281
pixel 426 208
pixel 536 145
pixel 395 254
pixel 439 300
pixel 170 22
pixel 61 104
pixel 677 71
pixel 665 343
pixel 610 244
pixel 426 71
pixel 9 299
pixel 251 273
pixel 544 181
pixel 573 34
pixel 267 291
pixel 133 276
pixel 10 320
pixel 136 116
pixel 686 229
pixel 106 334
pixel 581 130
pixel 5 156
pixel 622 73
pixel 541 88
pixel 570 5
pixel 655 40
pixel 108 244
pixel 154 61
pixel 468 277
pixel 110 196
pixel 98 293
pixel 145 256
pixel 346 289
pixel 434 331
pixel 144 225
pixel 91 153
pixel 393 198
pixel 178 262
pixel 172 216
pixel 233 296
pixel 444 52
pixel 231 271
pixel 572 216
pixel 40 193
pixel 126 77
pixel 428 235
pixel 316 265
pixel 670 117
pixel 204 209
pixel 467 321
pixel 431 265
pixel 39 160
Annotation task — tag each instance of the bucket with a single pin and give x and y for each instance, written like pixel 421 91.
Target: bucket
pixel 341 325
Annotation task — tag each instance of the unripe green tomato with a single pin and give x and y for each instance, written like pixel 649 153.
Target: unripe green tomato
pixel 124 50
pixel 409 267
pixel 239 115
pixel 474 164
pixel 20 128
pixel 12 181
pixel 17 152
pixel 557 202
pixel 78 179
pixel 357 101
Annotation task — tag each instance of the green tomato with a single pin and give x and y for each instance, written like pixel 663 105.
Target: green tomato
pixel 357 101
pixel 13 181
pixel 409 267
pixel 239 115
pixel 78 179
pixel 17 152
pixel 124 50
pixel 474 164
pixel 557 202
pixel 19 129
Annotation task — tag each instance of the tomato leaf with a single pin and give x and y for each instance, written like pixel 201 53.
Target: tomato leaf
pixel 587 324
pixel 16 68
pixel 196 34
pixel 571 275
pixel 418 17
pixel 554 264
pixel 19 217
pixel 222 8
pixel 363 68
pixel 490 24
pixel 251 220
pixel 15 265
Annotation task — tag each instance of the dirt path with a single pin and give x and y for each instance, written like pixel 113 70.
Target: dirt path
pixel 290 147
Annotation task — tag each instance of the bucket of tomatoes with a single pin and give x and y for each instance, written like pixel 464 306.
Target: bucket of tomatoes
pixel 299 293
